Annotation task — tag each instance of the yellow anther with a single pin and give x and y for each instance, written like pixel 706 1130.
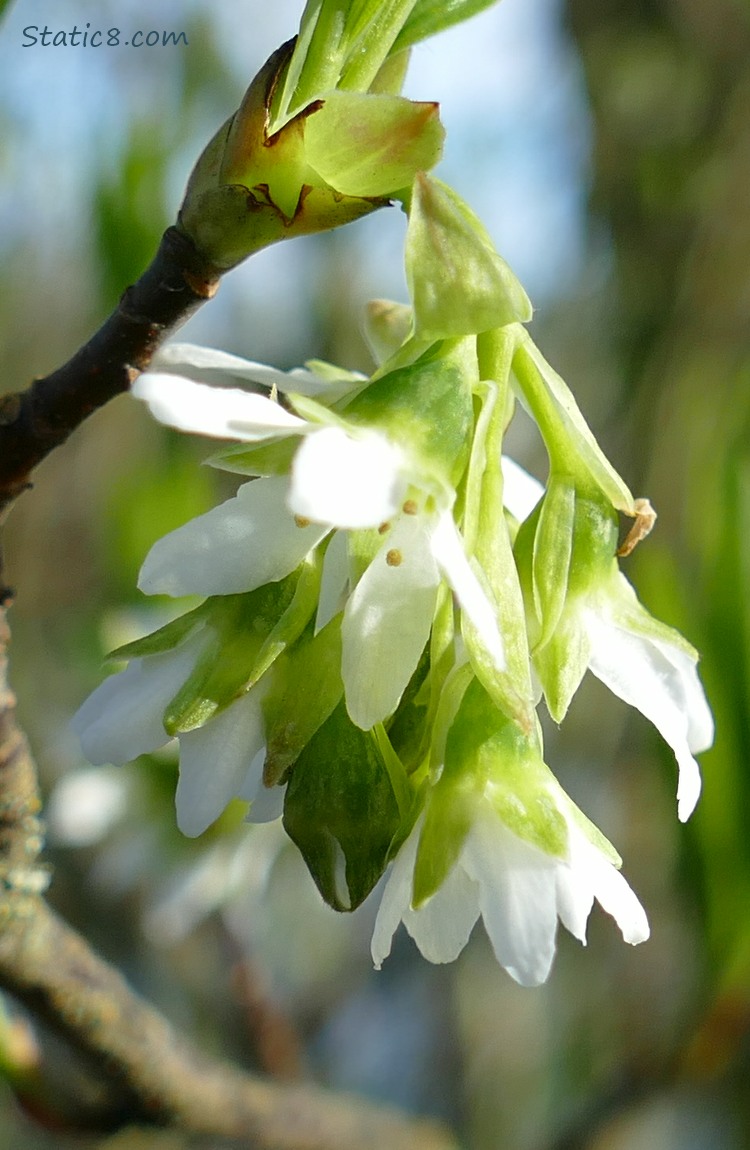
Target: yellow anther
pixel 410 507
pixel 301 521
pixel 383 528
pixel 394 558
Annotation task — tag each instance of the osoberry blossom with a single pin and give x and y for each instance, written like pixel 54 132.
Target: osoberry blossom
pixel 602 626
pixel 345 475
pixel 520 893
pixel 124 718
pixel 498 837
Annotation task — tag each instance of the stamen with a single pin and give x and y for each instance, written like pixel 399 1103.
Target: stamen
pixel 394 558
pixel 410 507
pixel 383 528
pixel 301 521
pixel 645 517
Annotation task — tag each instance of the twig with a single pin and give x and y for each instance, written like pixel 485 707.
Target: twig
pixel 35 421
pixel 53 971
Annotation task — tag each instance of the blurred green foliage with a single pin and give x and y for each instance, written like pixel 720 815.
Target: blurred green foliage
pixel 623 1049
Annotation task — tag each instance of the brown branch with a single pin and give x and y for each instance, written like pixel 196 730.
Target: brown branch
pixel 164 1081
pixel 35 421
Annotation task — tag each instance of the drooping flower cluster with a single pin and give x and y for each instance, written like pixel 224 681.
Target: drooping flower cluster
pixel 385 597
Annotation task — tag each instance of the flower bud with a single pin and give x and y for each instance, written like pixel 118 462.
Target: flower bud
pixel 339 158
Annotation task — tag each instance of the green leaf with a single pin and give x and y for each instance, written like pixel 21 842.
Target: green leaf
pixel 458 283
pixel 341 811
pixel 305 688
pixel 372 145
pixel 431 16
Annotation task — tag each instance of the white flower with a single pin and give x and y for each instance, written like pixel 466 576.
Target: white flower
pixel 123 718
pixel 519 891
pixel 652 669
pixel 342 478
pixel 645 663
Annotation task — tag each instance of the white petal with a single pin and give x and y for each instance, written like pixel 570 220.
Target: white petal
pixel 387 622
pixel 214 762
pixel 347 481
pixel 267 803
pixel 586 875
pixel 209 365
pixel 521 491
pixel 334 581
pixel 250 540
pixel 86 804
pixel 575 898
pixel 447 547
pixel 225 413
pixel 661 681
pixel 441 927
pixel 396 897
pixel 123 717
pixel 517 898
pixel 591 870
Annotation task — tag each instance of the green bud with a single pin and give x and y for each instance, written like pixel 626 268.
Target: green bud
pixel 565 553
pixel 488 540
pixel 339 158
pixel 341 811
pixel 571 446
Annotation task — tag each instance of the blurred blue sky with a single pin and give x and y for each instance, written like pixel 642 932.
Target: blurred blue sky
pixel 508 85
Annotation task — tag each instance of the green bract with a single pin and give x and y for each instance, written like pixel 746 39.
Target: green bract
pixel 426 407
pixel 458 283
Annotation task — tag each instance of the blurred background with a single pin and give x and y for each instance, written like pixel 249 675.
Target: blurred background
pixel 606 144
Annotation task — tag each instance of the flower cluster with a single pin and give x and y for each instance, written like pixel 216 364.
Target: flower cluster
pixel 385 600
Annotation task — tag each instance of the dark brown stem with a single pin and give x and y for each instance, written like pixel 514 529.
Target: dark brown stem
pixel 160 1078
pixel 35 421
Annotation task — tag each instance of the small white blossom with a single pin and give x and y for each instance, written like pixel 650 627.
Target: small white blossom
pixel 123 718
pixel 342 478
pixel 520 893
pixel 646 664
